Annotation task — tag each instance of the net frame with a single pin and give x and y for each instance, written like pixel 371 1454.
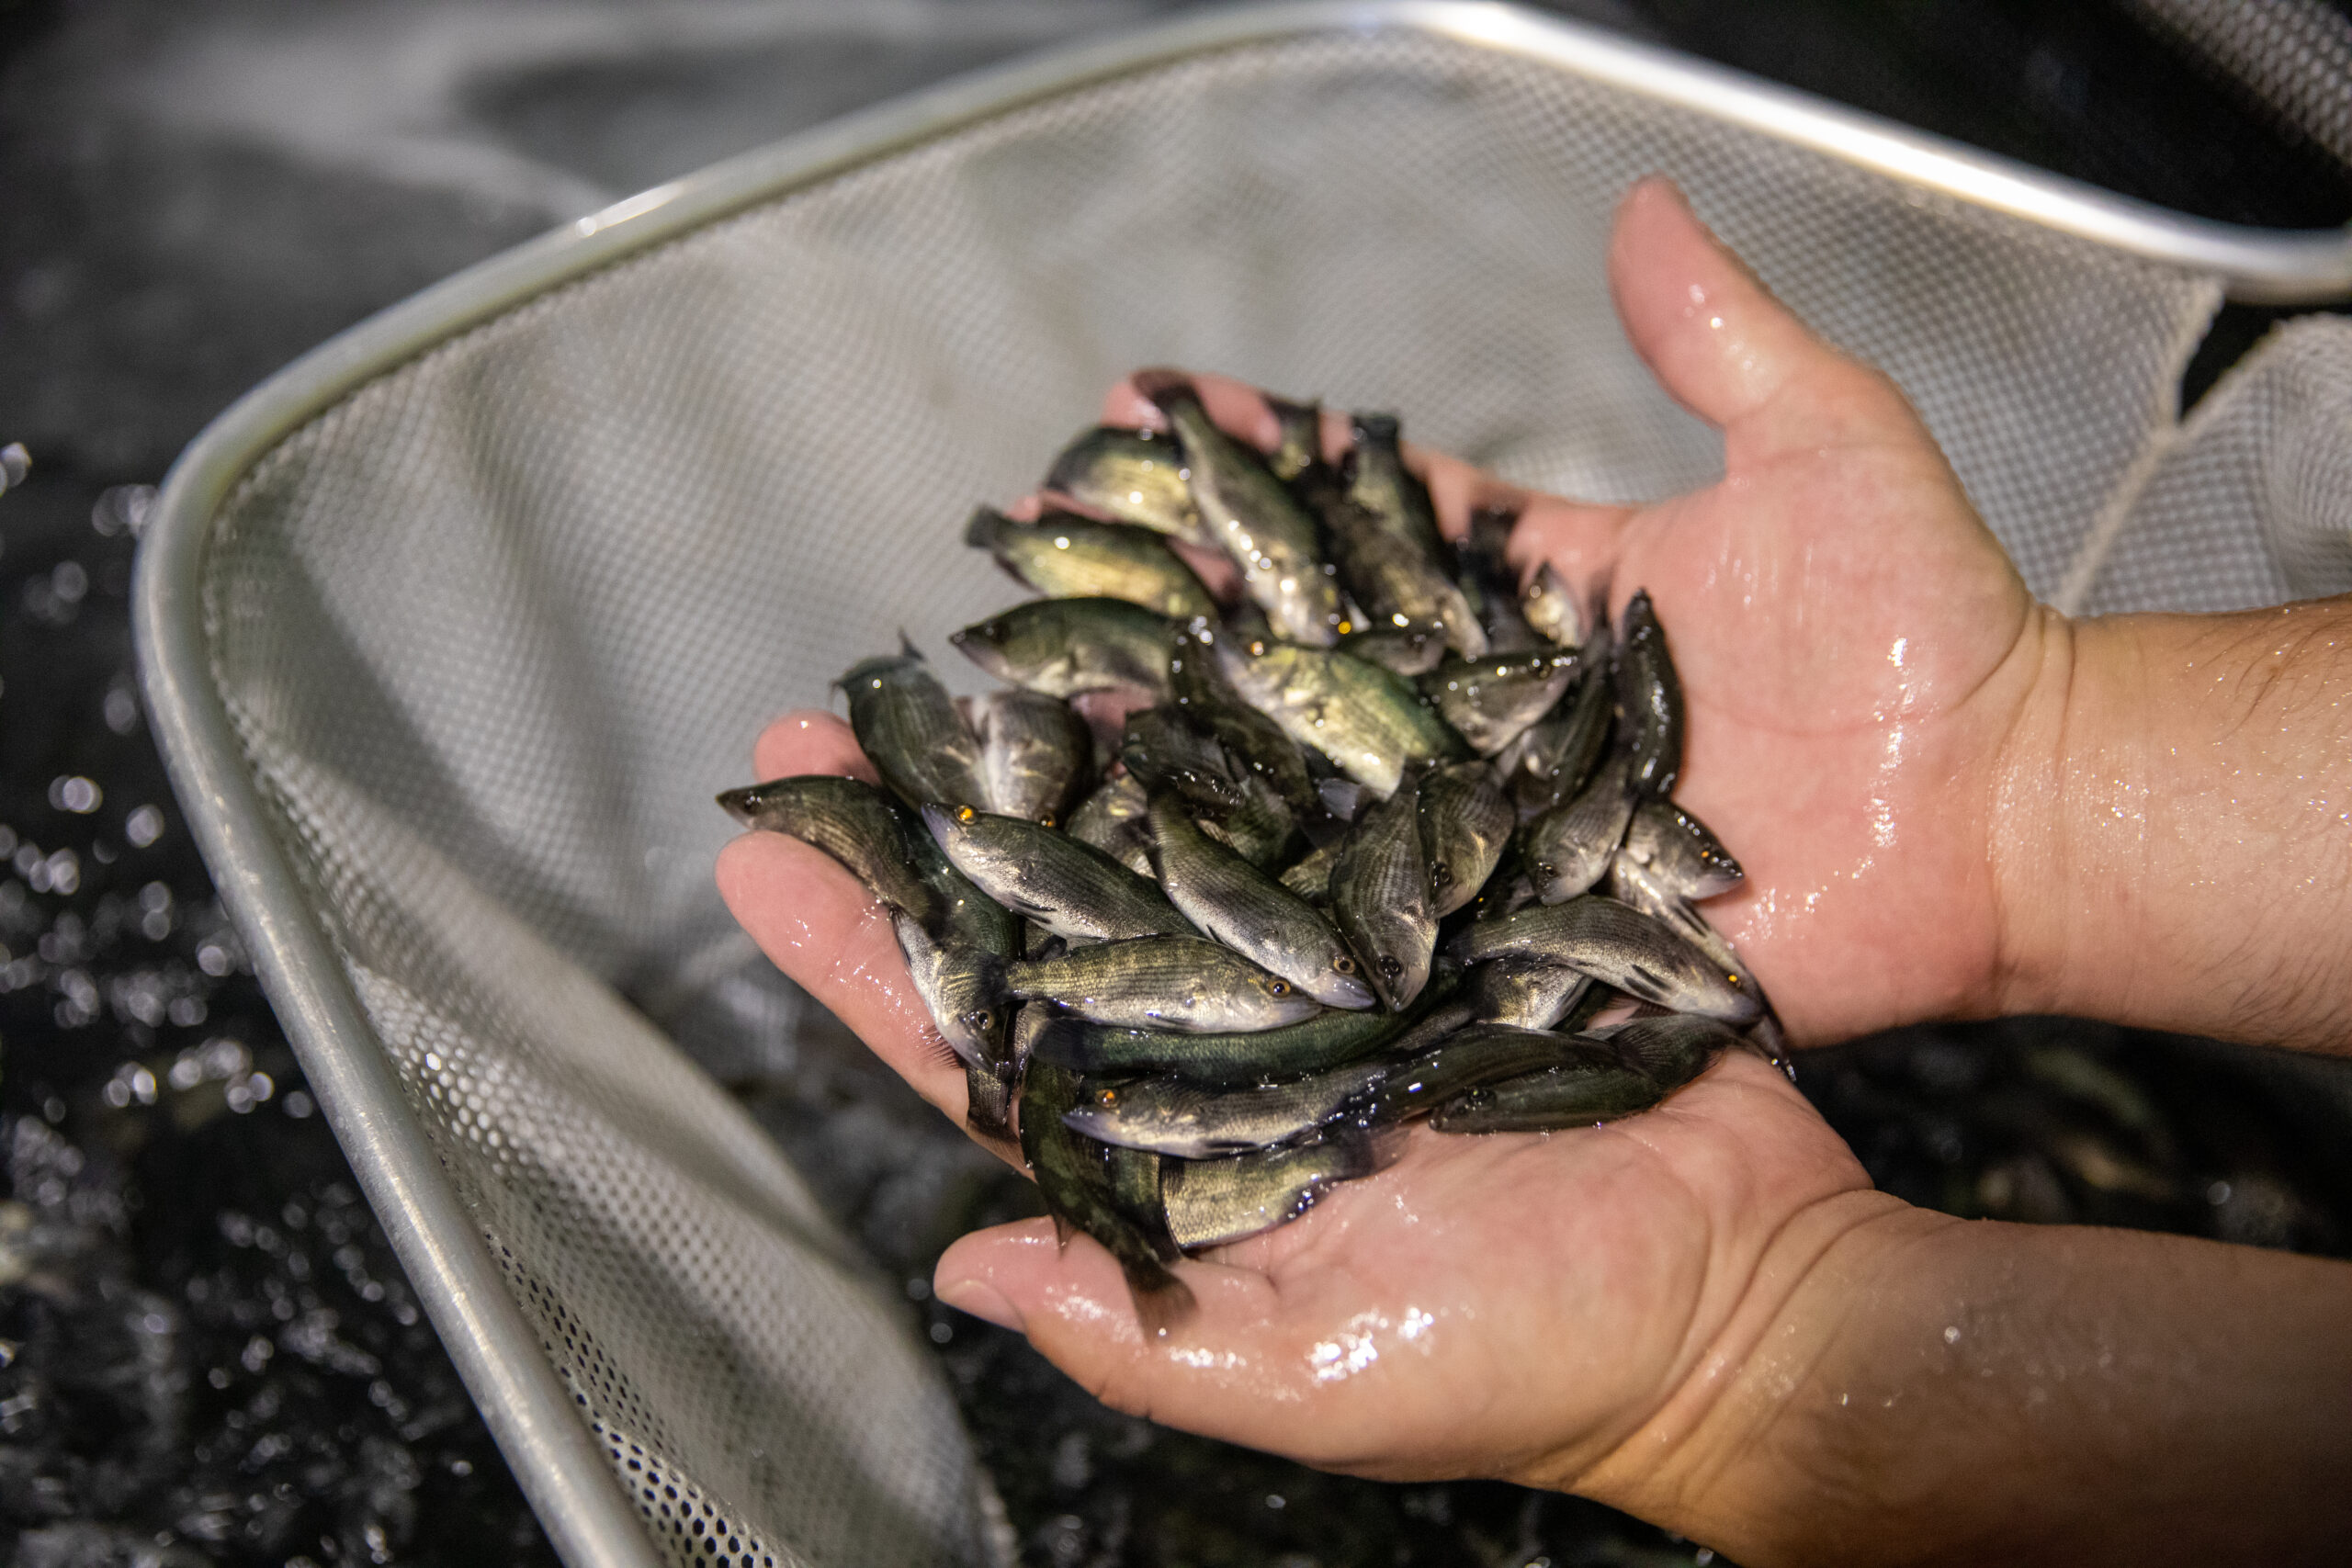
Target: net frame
pixel 563 1465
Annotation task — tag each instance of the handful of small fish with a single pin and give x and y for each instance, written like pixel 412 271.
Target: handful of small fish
pixel 1218 896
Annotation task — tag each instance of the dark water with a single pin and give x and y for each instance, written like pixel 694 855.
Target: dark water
pixel 207 1351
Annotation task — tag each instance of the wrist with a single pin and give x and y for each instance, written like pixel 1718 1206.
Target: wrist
pixel 1715 1462
pixel 2167 832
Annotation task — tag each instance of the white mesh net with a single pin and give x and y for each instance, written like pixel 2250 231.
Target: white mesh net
pixel 494 628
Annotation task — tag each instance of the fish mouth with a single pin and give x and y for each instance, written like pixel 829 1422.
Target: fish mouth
pixel 1343 991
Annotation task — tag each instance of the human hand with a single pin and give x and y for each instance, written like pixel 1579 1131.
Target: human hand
pixel 1652 1312
pixel 1388 1334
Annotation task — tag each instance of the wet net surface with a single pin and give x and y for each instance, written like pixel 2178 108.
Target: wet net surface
pixel 291 1404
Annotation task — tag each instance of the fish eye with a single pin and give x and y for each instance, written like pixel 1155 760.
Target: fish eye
pixel 1391 967
pixel 1106 1096
pixel 1047 820
pixel 1257 650
pixel 1344 965
pixel 965 814
pixel 1278 987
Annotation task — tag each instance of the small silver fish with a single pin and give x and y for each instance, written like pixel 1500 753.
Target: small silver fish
pixel 1371 724
pixel 1135 476
pixel 1175 1117
pixel 1679 850
pixel 1072 889
pixel 1569 846
pixel 1649 694
pixel 1233 901
pixel 1491 702
pixel 1065 557
pixel 1383 899
pixel 1111 819
pixel 854 822
pixel 1620 947
pixel 1034 752
pixel 1066 647
pixel 1182 983
pixel 909 728
pixel 1465 825
pixel 1214 1202
pixel 1252 517
pixel 1550 608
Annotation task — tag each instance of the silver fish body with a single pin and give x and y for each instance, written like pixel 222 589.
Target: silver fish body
pixel 1371 724
pixel 1072 889
pixel 1383 898
pixel 1527 993
pixel 1649 694
pixel 1620 947
pixel 1573 1094
pixel 1075 1182
pixel 1672 1050
pixel 1066 647
pixel 1570 848
pixel 1166 753
pixel 1491 702
pixel 1182 983
pixel 1231 900
pixel 1553 759
pixel 1253 518
pixel 1171 1116
pixel 1207 700
pixel 1111 819
pixel 851 821
pixel 1491 584
pixel 1399 585
pixel 1465 825
pixel 1679 850
pixel 1214 1202
pixel 1477 1054
pixel 1401 653
pixel 1550 608
pixel 1035 752
pixel 1301 446
pixel 1135 476
pixel 1331 1038
pixel 1386 490
pixel 910 731
pixel 1065 557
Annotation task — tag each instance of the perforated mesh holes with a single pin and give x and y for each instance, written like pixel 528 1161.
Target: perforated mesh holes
pixel 494 628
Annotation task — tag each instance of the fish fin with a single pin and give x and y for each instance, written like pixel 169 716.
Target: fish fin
pixel 981 529
pixel 1770 1041
pixel 1163 1301
pixel 989 1112
pixel 906 645
pixel 1163 386
pixel 1059 1042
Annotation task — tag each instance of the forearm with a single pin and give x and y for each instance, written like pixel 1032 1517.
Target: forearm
pixel 2174 843
pixel 1938 1391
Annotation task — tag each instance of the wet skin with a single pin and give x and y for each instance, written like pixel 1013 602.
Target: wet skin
pixel 1695 1313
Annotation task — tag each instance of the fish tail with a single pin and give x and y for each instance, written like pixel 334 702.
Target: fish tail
pixel 1163 1301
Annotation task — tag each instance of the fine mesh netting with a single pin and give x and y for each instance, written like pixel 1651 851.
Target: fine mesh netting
pixel 494 628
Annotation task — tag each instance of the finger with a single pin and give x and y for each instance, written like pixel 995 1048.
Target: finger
pixel 810 740
pixel 1580 541
pixel 1720 342
pixel 824 929
pixel 834 940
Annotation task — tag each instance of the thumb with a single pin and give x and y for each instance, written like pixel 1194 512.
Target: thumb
pixel 1719 341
